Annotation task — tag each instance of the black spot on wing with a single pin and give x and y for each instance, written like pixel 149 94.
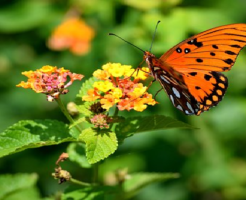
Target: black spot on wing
pixel 228 61
pixel 207 77
pixel 199 60
pixel 179 50
pixel 187 50
pixel 193 73
pixel 212 53
pixel 230 53
pixel 236 46
pixel 215 46
pixel 195 42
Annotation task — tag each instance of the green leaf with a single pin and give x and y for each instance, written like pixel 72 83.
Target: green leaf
pixel 27 193
pixel 32 134
pixel 99 145
pixel 77 154
pixel 24 15
pixel 139 180
pixel 10 184
pixel 90 193
pixel 135 125
pixel 88 84
pixel 84 109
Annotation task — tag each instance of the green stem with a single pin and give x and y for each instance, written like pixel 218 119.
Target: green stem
pixel 95 173
pixel 65 112
pixel 75 181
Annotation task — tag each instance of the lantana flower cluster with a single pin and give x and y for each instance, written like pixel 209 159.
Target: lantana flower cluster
pixel 116 87
pixel 73 34
pixel 49 80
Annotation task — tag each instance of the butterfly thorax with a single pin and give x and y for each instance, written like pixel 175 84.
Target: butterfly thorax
pixel 159 67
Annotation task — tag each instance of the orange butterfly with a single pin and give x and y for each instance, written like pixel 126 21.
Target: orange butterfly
pixel 190 71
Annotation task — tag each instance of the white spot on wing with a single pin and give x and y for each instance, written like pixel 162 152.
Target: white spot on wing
pixel 165 79
pixel 171 97
pixel 179 107
pixel 176 92
pixel 189 106
pixel 187 112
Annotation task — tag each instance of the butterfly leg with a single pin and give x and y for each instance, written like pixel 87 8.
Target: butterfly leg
pixel 157 93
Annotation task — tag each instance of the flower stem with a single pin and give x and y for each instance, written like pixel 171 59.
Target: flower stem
pixel 79 182
pixel 65 112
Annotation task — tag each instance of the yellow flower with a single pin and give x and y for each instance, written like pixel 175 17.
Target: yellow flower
pixel 141 74
pixel 107 66
pixel 116 70
pixel 101 75
pixel 92 95
pixel 140 105
pixel 47 69
pixel 138 91
pixel 103 86
pixel 24 85
pixel 116 93
pixel 108 101
pixel 149 100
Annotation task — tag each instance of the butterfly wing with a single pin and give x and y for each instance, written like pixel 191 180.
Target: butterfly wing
pixel 212 50
pixel 177 92
pixel 199 60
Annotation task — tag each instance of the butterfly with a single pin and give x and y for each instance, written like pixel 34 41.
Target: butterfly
pixel 190 72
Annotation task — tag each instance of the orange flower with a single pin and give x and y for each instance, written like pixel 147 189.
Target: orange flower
pixel 73 34
pixel 116 88
pixel 50 81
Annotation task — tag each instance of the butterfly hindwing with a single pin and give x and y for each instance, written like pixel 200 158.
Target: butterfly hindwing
pixel 177 92
pixel 208 88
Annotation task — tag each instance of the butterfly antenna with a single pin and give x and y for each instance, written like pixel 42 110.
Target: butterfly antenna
pixel 127 41
pixel 154 35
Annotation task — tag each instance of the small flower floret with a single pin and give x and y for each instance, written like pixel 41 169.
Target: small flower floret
pixel 49 80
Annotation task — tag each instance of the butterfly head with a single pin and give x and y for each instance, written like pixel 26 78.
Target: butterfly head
pixel 148 57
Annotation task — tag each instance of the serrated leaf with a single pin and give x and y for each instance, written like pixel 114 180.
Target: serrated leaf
pixel 135 125
pixel 14 183
pixel 139 180
pixel 90 193
pixel 31 134
pixel 77 154
pixel 88 84
pixel 84 109
pixel 99 145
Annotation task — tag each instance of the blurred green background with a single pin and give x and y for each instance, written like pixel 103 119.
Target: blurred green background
pixel 211 160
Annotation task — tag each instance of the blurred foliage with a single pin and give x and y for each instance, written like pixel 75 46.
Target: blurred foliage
pixel 210 160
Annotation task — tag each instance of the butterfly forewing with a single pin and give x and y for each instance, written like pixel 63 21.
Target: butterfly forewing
pixel 212 50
